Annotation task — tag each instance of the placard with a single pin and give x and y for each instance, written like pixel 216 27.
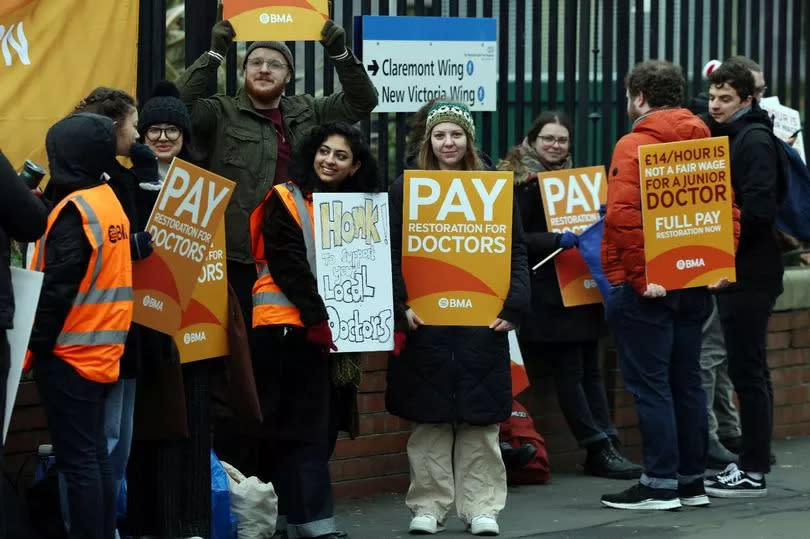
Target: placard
pixel 203 330
pixel 571 200
pixel 276 20
pixel 457 244
pixel 353 254
pixel 786 121
pixel 686 202
pixel 187 212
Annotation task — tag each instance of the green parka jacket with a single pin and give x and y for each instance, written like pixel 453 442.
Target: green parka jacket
pixel 240 144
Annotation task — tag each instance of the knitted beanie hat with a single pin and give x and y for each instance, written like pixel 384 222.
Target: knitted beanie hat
pixel 275 45
pixel 165 107
pixel 456 113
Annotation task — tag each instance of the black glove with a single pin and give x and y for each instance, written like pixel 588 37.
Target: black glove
pixel 144 162
pixel 333 39
pixel 140 245
pixel 222 35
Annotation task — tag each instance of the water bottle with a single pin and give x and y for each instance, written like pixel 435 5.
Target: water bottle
pixel 45 460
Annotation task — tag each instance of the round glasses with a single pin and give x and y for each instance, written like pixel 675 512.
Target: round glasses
pixel 272 65
pixel 171 133
pixel 549 140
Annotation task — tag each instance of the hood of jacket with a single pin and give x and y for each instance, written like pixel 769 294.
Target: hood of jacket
pixel 670 125
pixel 524 161
pixel 80 149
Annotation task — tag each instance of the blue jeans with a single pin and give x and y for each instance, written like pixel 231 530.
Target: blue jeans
pixel 658 341
pixel 119 412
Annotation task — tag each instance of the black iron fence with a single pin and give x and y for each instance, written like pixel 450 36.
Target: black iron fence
pixel 553 54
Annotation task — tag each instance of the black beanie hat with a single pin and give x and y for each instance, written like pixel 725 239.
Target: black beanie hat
pixel 165 107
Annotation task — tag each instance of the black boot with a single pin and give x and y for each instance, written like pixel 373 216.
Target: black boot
pixel 604 460
pixel 517 458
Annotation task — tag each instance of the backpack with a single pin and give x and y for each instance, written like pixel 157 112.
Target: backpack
pixel 517 431
pixel 793 216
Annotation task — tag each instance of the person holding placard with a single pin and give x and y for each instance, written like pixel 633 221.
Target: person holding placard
pixel 84 314
pixel 566 337
pixel 745 307
pixel 306 393
pixel 453 381
pixel 657 331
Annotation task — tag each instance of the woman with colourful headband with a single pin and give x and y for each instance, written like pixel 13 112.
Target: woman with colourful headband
pixel 452 381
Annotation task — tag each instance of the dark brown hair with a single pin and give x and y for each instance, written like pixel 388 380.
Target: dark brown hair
pixel 110 102
pixel 736 75
pixel 549 117
pixel 661 83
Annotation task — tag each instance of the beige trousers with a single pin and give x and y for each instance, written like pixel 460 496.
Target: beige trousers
pixel 464 466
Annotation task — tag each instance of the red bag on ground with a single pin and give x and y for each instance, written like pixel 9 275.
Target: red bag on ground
pixel 517 431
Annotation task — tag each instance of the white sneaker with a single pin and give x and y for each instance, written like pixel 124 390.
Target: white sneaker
pixel 425 525
pixel 484 525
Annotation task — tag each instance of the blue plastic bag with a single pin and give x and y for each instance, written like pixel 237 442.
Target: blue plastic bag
pixel 223 522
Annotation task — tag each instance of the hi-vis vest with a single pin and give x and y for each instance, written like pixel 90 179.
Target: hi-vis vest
pixel 270 305
pixel 93 335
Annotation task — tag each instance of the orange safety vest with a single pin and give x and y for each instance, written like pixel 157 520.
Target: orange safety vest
pixel 93 335
pixel 270 305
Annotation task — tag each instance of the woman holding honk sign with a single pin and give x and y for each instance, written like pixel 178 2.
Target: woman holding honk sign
pixel 453 381
pixel 564 337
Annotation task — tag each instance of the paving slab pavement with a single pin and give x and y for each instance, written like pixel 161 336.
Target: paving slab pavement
pixel 569 508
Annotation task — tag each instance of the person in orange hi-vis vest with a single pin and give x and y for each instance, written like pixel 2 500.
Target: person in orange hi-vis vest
pixel 307 395
pixel 84 313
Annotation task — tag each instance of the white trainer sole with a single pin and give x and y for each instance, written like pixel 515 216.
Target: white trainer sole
pixel 660 505
pixel 724 493
pixel 696 501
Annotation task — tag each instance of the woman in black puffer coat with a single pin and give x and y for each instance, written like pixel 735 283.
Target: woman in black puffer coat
pixel 453 381
pixel 565 337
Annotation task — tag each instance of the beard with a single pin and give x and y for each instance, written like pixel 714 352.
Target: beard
pixel 632 112
pixel 264 95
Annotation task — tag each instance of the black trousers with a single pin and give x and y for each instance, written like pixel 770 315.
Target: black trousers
pixel 579 383
pixel 75 408
pixel 744 314
pixel 5 360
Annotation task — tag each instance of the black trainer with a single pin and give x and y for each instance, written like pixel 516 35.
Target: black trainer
pixel 517 458
pixel 735 483
pixel 643 497
pixel 603 460
pixel 693 494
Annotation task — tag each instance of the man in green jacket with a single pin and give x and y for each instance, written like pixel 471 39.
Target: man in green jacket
pixel 249 138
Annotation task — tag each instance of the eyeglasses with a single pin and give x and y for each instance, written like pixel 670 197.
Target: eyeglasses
pixel 171 133
pixel 273 65
pixel 549 140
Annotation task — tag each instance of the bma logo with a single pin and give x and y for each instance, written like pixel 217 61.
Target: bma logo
pixel 275 18
pixel 193 336
pixel 14 38
pixel 690 263
pixel 455 303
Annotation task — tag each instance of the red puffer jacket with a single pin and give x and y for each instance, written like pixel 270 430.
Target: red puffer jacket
pixel 623 239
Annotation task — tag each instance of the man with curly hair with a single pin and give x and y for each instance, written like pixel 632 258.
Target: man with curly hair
pixel 657 332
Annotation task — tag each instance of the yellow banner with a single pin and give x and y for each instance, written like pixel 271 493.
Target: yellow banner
pixel 186 215
pixel 53 54
pixel 686 202
pixel 571 200
pixel 203 331
pixel 457 244
pixel 277 20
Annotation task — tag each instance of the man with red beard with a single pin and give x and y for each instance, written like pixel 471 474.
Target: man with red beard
pixel 248 138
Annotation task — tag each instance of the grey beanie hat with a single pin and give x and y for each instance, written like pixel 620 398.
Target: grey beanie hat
pixel 279 46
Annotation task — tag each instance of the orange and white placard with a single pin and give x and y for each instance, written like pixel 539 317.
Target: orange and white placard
pixel 686 202
pixel 277 20
pixel 571 200
pixel 457 244
pixel 183 222
pixel 203 329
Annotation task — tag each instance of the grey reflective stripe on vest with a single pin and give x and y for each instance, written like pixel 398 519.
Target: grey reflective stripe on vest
pixel 106 295
pixel 306 224
pixel 92 338
pixel 278 298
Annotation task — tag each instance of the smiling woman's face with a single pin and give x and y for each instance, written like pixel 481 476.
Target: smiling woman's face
pixel 334 160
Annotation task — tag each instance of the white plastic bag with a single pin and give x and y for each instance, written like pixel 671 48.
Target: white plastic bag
pixel 254 503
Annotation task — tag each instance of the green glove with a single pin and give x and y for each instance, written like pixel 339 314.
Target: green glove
pixel 222 35
pixel 333 39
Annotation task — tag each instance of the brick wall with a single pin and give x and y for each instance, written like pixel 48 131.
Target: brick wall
pixel 376 462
